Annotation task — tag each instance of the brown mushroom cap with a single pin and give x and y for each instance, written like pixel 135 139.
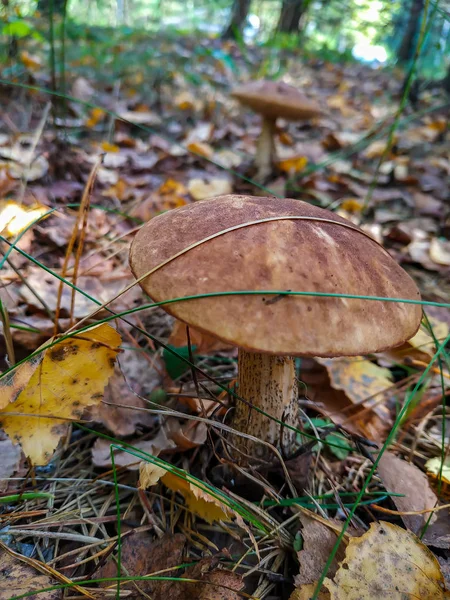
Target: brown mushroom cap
pixel 298 255
pixel 275 99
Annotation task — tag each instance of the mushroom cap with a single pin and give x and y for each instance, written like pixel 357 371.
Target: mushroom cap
pixel 275 99
pixel 306 255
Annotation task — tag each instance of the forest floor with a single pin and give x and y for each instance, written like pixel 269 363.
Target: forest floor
pixel 142 130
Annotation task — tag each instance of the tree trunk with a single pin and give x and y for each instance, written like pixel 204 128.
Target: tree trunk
pixel 239 14
pixel 407 46
pixel 290 15
pixel 44 6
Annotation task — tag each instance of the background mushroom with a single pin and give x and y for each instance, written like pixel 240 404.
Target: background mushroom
pixel 273 99
pixel 222 245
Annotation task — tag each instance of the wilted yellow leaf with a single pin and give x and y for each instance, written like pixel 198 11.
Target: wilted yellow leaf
pixel 200 189
pixel 201 148
pixel 172 186
pixel 108 147
pixel 32 63
pixel 387 562
pixel 359 378
pixel 96 115
pixel 201 503
pixel 14 217
pixel 293 165
pixel 67 378
pixel 149 474
pixel 352 205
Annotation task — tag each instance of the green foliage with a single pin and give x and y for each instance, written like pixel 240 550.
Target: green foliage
pixel 21 28
pixel 175 365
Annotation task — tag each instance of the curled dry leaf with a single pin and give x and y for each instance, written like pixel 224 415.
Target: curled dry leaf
pixel 55 387
pixel 387 562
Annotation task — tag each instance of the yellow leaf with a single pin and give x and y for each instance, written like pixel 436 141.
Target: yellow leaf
pixel 96 115
pixel 32 63
pixel 201 148
pixel 352 205
pixel 293 165
pixel 108 147
pixel 149 474
pixel 360 379
pixel 69 376
pixel 387 562
pixel 14 218
pixel 171 186
pixel 200 189
pixel 201 503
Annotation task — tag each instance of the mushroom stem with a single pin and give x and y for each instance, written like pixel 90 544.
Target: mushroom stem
pixel 265 150
pixel 268 382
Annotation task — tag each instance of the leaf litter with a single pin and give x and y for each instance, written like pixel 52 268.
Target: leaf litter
pixel 158 155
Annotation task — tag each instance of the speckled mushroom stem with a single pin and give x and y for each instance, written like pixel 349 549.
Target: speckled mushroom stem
pixel 265 150
pixel 269 383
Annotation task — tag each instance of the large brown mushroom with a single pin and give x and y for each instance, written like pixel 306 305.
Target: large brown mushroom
pixel 243 243
pixel 273 99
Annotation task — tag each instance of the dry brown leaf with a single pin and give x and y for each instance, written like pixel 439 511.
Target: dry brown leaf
pixel 10 462
pixel 142 555
pixel 401 477
pixel 212 585
pixel 186 436
pixel 387 562
pixel 149 474
pixel 318 542
pixel 101 454
pixel 17 578
pixel 121 410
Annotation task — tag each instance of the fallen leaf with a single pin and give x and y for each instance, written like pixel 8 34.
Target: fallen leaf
pixel 142 555
pixel 387 562
pixel 213 583
pixel 440 251
pixel 202 503
pixel 10 459
pixel 293 165
pixel 149 474
pixel 14 217
pixel 201 148
pixel 101 451
pixel 401 477
pixel 17 578
pixel 67 377
pixel 372 422
pixel 306 592
pixel 318 542
pixel 121 411
pixel 200 189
